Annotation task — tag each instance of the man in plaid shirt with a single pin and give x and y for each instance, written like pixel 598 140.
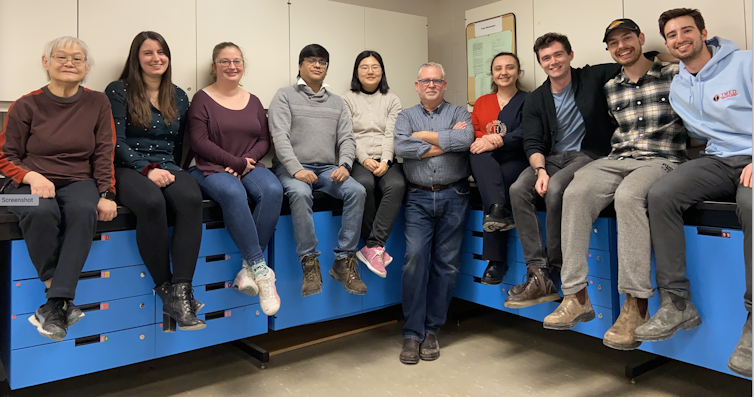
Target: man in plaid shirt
pixel 650 141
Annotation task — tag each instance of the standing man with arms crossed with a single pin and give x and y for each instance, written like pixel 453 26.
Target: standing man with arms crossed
pixel 433 138
pixel 649 142
pixel 712 93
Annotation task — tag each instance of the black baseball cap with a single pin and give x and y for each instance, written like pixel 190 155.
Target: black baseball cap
pixel 623 23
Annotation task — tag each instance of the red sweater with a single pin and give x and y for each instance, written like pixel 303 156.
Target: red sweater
pixel 485 111
pixel 65 139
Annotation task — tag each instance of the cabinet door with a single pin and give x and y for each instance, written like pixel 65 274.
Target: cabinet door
pixel 26 27
pixel 260 28
pixel 336 26
pixel 109 27
pixel 401 39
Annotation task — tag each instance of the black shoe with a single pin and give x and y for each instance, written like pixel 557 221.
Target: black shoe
pixel 494 273
pixel 163 290
pixel 430 348
pixel 410 351
pixel 177 310
pixel 50 319
pixel 72 312
pixel 498 219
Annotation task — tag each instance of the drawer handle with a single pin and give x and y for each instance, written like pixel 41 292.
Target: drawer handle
pixel 477 234
pixel 88 340
pixel 214 286
pixel 215 258
pixel 599 287
pixel 90 275
pixel 599 259
pixel 477 257
pixel 596 230
pixel 101 237
pixel 714 232
pixel 90 307
pixel 216 315
pixel 599 315
pixel 214 225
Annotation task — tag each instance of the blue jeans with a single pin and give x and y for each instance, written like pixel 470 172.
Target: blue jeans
pixel 300 198
pixel 250 232
pixel 434 232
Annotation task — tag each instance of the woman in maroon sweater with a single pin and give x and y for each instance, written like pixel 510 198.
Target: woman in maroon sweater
pixel 57 143
pixel 228 130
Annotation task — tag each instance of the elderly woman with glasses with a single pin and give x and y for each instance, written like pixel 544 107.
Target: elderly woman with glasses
pixel 229 135
pixel 58 144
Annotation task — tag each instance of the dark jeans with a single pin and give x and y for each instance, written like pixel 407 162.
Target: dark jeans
pixel 250 232
pixel 494 173
pixel 560 167
pixel 150 203
pixel 706 178
pixel 380 212
pixel 434 231
pixel 59 233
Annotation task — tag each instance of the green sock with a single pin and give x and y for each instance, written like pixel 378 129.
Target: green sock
pixel 259 269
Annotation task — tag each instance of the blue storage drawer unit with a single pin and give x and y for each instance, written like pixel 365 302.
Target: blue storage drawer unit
pixel 382 292
pixel 217 296
pixel 469 288
pixel 216 240
pixel 218 267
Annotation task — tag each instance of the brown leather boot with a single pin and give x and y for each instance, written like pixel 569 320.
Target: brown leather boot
pixel 573 309
pixel 345 271
pixel 537 289
pixel 312 283
pixel 621 335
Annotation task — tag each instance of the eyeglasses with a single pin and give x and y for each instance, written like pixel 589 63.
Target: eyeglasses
pixel 236 62
pixel 374 68
pixel 425 82
pixel 314 61
pixel 76 61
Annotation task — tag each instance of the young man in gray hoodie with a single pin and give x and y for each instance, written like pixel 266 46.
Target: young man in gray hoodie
pixel 315 147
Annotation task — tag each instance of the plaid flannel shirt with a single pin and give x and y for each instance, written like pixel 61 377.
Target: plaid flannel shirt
pixel 648 128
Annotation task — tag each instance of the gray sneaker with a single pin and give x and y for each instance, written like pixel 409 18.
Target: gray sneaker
pixel 668 320
pixel 50 320
pixel 740 360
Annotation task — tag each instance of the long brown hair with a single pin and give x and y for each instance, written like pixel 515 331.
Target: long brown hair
pixel 139 111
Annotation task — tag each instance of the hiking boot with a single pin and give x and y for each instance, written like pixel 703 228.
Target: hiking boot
pixel 570 312
pixel 344 270
pixel 312 283
pixel 494 273
pixel 675 313
pixel 740 360
pixel 537 289
pixel 429 350
pixel 50 319
pixel 372 257
pixel 72 312
pixel 244 281
pixel 621 335
pixel 409 351
pixel 269 299
pixel 498 219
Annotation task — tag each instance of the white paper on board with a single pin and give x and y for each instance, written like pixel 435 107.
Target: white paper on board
pixel 489 26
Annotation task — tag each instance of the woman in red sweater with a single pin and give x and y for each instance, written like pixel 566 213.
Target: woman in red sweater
pixel 497 158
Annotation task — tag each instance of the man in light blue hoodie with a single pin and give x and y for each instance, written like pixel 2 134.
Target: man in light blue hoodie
pixel 713 95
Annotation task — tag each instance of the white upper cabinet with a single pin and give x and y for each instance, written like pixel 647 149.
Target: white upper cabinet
pixel 109 26
pixel 337 27
pixel 260 28
pixel 401 40
pixel 25 30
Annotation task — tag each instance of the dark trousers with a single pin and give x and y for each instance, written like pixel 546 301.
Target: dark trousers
pixel 707 178
pixel 560 167
pixel 494 173
pixel 383 202
pixel 59 233
pixel 434 231
pixel 150 204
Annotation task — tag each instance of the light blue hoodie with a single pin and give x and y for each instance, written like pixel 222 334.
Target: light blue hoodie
pixel 715 105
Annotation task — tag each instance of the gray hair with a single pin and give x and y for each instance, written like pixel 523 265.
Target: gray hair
pixel 431 64
pixel 67 41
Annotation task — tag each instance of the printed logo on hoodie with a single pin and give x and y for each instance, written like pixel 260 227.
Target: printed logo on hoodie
pixel 724 95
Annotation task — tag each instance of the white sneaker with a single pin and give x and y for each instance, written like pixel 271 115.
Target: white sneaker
pixel 269 299
pixel 245 283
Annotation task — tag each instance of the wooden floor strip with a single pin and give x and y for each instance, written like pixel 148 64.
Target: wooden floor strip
pixel 329 338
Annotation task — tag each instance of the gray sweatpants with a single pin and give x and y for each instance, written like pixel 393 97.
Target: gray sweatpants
pixel 627 182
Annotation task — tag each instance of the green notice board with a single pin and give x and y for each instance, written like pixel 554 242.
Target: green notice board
pixel 484 39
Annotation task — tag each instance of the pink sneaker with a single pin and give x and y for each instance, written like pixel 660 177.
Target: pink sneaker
pixel 372 257
pixel 386 259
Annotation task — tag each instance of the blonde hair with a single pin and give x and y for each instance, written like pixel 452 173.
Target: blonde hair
pixel 216 53
pixel 67 41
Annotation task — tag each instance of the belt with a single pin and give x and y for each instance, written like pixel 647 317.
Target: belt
pixel 436 188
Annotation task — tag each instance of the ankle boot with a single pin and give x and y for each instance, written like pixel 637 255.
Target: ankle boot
pixel 312 283
pixel 573 309
pixel 494 273
pixel 621 336
pixel 671 317
pixel 498 219
pixel 344 270
pixel 178 310
pixel 538 288
pixel 740 360
pixel 164 290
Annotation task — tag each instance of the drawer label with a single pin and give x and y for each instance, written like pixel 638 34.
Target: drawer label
pixel 105 275
pixel 104 306
pixel 103 338
pixel 105 237
pixel 227 313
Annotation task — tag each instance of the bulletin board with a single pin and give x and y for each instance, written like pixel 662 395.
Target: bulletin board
pixel 484 39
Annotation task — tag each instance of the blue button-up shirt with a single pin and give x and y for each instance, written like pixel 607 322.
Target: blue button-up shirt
pixel 446 168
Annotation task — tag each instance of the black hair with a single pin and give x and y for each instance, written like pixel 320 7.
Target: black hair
pixel 356 83
pixel 313 50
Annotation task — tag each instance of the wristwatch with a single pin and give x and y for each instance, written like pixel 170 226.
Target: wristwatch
pixel 348 167
pixel 536 170
pixel 108 195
